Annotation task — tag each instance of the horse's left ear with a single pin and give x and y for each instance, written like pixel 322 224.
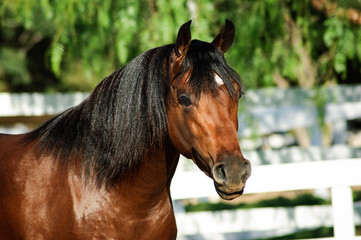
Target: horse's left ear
pixel 183 39
pixel 224 39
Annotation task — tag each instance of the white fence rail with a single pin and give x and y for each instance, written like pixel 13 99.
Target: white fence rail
pixel 37 104
pixel 272 110
pixel 338 175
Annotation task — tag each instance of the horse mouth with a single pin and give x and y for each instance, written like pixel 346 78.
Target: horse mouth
pixel 228 195
pixel 224 192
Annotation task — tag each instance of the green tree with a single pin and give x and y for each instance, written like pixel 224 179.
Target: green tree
pixel 87 39
pixel 68 45
pixel 296 43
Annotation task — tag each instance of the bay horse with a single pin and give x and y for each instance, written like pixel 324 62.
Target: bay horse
pixel 103 169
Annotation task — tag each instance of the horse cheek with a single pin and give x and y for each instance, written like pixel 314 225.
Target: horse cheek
pixel 179 133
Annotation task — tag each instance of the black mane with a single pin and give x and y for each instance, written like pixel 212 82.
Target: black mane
pixel 125 116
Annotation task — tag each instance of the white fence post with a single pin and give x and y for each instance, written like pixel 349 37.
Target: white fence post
pixel 343 217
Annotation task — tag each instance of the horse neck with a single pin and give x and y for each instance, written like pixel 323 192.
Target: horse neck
pixel 153 178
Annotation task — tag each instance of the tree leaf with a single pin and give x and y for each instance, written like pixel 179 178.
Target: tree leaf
pixel 340 62
pixel 56 56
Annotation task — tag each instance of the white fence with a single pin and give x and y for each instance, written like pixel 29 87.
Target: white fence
pixel 271 109
pixel 338 175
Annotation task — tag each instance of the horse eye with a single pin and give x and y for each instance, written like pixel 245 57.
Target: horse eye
pixel 184 101
pixel 240 94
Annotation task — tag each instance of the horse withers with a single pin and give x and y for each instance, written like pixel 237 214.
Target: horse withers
pixel 103 169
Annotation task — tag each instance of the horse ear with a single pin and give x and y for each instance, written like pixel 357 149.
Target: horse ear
pixel 224 39
pixel 183 39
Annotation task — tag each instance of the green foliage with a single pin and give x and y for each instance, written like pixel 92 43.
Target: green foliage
pixel 321 232
pixel 340 36
pixel 284 38
pixel 305 200
pixel 13 65
pixel 356 196
pixel 290 38
pixel 56 55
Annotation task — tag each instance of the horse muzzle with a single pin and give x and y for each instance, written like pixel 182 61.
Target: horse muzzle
pixel 230 176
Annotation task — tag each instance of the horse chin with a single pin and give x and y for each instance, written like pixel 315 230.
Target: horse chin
pixel 228 195
pixel 201 163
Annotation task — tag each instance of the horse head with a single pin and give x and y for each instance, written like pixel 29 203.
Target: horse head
pixel 202 110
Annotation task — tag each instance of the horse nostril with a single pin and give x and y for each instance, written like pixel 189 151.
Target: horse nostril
pixel 219 173
pixel 247 170
pixel 247 164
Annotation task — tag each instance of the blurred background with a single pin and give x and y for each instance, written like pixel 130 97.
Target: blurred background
pixel 300 62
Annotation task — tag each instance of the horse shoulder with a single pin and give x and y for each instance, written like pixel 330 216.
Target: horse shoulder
pixel 33 195
pixel 117 214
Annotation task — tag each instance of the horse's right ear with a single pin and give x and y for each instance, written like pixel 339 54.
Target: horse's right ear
pixel 183 39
